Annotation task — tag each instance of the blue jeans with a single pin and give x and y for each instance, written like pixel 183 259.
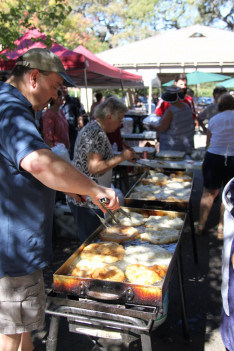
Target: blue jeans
pixel 86 220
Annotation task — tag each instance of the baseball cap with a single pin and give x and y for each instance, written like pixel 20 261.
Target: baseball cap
pixel 44 60
pixel 172 94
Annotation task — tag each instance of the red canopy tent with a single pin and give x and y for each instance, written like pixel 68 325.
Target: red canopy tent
pixel 84 70
pixel 96 69
pixel 70 59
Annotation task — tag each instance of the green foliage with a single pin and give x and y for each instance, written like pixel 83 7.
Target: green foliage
pixel 205 89
pixel 102 24
pixel 121 21
pixel 54 17
pixel 105 92
pixel 16 16
pixel 117 22
pixel 217 11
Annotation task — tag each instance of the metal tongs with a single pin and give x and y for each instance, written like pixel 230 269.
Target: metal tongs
pixel 102 220
pixel 105 201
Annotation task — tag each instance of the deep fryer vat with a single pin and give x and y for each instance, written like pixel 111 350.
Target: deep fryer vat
pixel 168 205
pixel 121 292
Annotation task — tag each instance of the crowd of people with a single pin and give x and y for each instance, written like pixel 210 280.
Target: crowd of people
pixel 30 142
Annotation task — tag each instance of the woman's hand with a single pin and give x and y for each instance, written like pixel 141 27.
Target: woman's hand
pixel 129 155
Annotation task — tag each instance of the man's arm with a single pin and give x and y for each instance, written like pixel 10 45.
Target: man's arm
pixel 60 175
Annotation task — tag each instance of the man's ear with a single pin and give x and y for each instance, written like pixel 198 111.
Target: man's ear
pixel 34 76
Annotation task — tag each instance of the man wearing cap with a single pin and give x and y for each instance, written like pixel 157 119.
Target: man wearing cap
pixel 30 174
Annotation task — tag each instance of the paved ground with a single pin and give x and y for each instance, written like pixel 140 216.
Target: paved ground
pixel 202 283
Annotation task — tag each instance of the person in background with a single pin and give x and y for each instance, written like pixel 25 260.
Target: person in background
pixel 138 102
pixel 99 98
pixel 212 109
pixel 72 109
pixel 30 175
pixel 218 164
pixel 94 157
pixel 55 125
pixel 181 82
pixel 227 288
pixel 190 92
pixel 82 121
pixel 176 128
pixel 155 99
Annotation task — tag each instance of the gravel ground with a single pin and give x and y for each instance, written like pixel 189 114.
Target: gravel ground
pixel 202 282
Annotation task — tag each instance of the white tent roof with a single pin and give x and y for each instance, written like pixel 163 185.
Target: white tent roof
pixel 188 47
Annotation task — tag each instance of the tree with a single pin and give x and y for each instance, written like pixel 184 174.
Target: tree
pixel 119 21
pixel 217 12
pixel 16 16
pixel 54 17
pixel 102 24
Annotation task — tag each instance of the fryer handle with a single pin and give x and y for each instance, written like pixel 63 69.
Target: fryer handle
pixel 128 293
pixel 102 295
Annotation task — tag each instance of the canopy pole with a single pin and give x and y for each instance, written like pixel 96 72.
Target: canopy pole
pixel 86 87
pixel 122 87
pixel 150 98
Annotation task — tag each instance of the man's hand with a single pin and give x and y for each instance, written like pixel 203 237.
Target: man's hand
pixel 110 195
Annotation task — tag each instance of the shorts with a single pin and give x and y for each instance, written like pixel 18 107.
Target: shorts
pixel 217 171
pixel 22 303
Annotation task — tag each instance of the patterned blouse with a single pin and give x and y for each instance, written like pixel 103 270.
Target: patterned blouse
pixel 91 139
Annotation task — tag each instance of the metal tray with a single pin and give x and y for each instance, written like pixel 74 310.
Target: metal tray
pixel 124 292
pixel 170 155
pixel 167 205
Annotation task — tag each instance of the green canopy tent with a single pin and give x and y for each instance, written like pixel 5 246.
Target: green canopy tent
pixel 197 77
pixel 228 83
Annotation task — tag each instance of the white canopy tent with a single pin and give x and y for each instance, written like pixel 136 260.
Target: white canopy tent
pixel 197 47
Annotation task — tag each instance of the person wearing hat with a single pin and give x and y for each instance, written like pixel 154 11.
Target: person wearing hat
pixel 176 128
pixel 181 82
pixel 30 175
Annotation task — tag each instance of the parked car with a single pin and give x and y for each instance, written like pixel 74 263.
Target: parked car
pixel 202 102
